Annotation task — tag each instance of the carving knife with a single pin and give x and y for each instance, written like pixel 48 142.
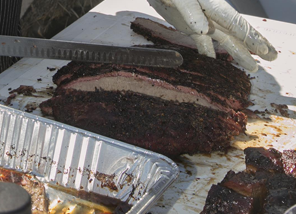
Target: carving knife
pixel 87 52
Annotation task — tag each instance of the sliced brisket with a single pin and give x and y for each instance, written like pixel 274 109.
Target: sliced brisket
pixel 201 80
pixel 173 111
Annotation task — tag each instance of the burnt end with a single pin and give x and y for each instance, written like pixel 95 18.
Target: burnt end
pixel 248 185
pixel 165 127
pixel 289 162
pixel 261 158
pixel 223 200
pixel 279 200
pixel 245 183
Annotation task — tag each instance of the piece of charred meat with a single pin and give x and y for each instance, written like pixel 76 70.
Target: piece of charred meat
pixel 223 200
pixel 248 185
pixel 269 182
pixel 289 162
pixel 260 158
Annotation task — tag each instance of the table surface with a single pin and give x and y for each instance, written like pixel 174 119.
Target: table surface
pixel 108 23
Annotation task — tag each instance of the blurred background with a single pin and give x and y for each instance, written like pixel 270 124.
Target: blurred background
pixel 46 18
pixel 281 10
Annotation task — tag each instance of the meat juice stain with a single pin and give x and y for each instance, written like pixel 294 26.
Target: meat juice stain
pixel 79 201
pixel 86 202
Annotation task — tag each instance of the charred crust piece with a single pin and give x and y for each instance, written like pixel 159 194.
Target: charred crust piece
pixel 261 158
pixel 223 200
pixel 289 162
pixel 24 89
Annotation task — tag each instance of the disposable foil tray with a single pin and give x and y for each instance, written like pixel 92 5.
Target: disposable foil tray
pixel 69 157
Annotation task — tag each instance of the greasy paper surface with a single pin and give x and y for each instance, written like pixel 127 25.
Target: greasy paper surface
pixel 109 23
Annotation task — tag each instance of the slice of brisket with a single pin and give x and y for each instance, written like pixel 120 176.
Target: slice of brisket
pixel 167 127
pixel 160 34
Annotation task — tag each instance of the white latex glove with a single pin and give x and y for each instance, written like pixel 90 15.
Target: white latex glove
pixel 205 20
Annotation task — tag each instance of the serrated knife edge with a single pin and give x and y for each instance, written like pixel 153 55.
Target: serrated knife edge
pixel 66 50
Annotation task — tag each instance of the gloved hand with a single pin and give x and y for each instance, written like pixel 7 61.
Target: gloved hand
pixel 205 20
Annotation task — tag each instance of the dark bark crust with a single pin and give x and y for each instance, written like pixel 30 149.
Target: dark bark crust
pixel 162 126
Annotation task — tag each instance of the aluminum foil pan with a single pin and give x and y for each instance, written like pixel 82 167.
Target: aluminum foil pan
pixel 61 155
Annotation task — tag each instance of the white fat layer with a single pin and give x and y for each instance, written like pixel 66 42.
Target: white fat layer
pixel 143 87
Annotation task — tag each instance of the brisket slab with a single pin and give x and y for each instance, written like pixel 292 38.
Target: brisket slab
pixel 185 110
pixel 166 127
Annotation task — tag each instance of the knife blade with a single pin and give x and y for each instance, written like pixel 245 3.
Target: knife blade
pixel 66 50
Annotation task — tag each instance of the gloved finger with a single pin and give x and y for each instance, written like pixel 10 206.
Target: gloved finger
pixel 271 53
pixel 204 45
pixel 193 15
pixel 222 13
pixel 178 15
pixel 172 14
pixel 236 49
